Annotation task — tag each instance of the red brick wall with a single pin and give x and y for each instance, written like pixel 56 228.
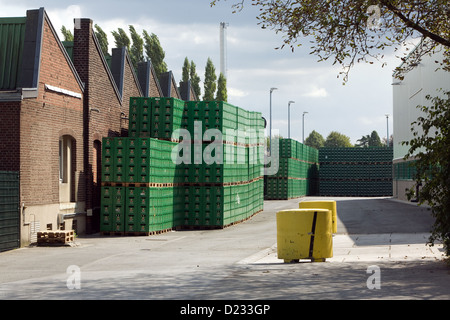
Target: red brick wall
pixel 43 121
pixel 130 86
pixel 153 90
pixel 174 90
pixel 101 94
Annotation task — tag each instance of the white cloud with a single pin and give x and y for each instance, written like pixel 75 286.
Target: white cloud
pixel 236 93
pixel 64 17
pixel 316 92
pixel 372 122
pixel 12 9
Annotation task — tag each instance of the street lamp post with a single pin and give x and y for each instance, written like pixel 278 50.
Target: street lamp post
pixel 303 125
pixel 289 118
pixel 387 125
pixel 270 129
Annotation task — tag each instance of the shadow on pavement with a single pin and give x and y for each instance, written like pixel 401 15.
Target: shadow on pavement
pixel 307 281
pixel 381 216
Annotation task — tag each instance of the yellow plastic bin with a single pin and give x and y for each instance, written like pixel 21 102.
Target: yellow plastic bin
pixel 304 234
pixel 322 204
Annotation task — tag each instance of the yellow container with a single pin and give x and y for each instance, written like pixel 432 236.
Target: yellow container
pixel 322 204
pixel 304 234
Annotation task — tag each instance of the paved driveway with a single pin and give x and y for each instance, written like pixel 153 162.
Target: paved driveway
pixel 379 238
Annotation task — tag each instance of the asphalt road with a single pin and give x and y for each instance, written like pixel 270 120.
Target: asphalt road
pixel 239 262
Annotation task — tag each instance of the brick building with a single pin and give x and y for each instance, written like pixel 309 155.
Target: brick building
pixel 41 122
pixel 57 102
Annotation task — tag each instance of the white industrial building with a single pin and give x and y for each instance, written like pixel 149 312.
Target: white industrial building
pixel 425 79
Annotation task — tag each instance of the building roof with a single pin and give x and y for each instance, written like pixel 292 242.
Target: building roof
pixel 12 36
pixel 20 50
pixel 168 85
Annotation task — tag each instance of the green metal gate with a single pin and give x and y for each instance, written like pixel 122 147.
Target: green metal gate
pixel 9 211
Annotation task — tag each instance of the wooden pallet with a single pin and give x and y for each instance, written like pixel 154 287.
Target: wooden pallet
pixel 112 233
pixel 134 233
pixel 57 237
pixel 146 233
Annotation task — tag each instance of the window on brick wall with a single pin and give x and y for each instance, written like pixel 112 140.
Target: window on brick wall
pixel 61 160
pixel 65 148
pixel 66 168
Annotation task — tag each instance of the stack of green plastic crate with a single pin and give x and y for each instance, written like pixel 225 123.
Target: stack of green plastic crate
pixel 356 171
pixel 297 174
pixel 139 192
pixel 144 190
pixel 220 194
pixel 155 117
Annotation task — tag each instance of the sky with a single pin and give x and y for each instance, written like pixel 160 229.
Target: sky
pixel 191 29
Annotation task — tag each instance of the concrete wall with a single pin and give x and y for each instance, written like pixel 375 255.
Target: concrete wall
pixel 423 80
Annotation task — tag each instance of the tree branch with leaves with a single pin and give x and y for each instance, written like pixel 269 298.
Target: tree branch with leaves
pixel 430 148
pixel 354 31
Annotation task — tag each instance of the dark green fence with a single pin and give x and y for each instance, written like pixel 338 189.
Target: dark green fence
pixel 405 170
pixel 9 211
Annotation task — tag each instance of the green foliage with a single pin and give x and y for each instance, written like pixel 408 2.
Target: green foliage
pixel 337 140
pixel 102 39
pixel 68 36
pixel 352 31
pixel 150 43
pixel 189 72
pixel 121 39
pixel 372 140
pixel 155 52
pixel 222 88
pixel 210 81
pixel 431 148
pixel 186 70
pixel 137 48
pixel 315 140
pixel 195 79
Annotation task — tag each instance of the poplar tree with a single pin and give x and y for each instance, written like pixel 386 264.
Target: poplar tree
pixel 121 39
pixel 195 80
pixel 186 71
pixel 67 34
pixel 210 81
pixel 155 52
pixel 137 48
pixel 102 39
pixel 222 88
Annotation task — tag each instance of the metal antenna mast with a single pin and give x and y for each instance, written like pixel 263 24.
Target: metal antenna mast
pixel 223 48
